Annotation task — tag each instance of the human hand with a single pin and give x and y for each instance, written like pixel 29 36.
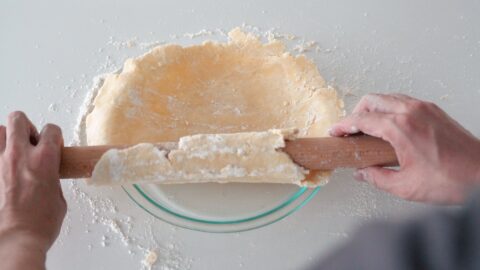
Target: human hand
pixel 439 159
pixel 32 206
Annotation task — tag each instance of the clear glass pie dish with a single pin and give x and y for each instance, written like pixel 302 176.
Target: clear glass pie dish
pixel 220 208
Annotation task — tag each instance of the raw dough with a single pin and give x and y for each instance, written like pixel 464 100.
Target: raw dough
pixel 238 157
pixel 239 86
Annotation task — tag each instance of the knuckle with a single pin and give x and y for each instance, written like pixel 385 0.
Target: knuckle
pixel 418 106
pixel 16 114
pixel 53 128
pixel 403 121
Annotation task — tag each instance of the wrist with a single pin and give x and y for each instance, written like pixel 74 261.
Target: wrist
pixel 19 250
pixel 16 238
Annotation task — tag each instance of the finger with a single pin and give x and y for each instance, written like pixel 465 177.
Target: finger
pixel 3 138
pixel 381 103
pixel 404 97
pixel 20 131
pixel 375 124
pixel 50 144
pixel 382 178
pixel 51 136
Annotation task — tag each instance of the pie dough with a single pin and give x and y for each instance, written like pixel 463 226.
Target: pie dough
pixel 238 90
pixel 240 157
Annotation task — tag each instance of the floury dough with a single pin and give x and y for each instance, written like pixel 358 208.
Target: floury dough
pixel 247 94
pixel 240 157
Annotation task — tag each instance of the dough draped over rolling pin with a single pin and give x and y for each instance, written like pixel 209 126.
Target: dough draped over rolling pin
pixel 252 157
pixel 239 89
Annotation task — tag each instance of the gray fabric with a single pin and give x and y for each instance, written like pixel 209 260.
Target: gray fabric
pixel 441 240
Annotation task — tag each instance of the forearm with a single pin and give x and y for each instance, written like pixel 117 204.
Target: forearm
pixel 439 240
pixel 477 179
pixel 21 252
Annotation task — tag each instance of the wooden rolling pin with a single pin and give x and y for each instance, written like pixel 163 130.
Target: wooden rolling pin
pixel 311 153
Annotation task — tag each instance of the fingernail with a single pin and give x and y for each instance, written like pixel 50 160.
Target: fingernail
pixel 330 131
pixel 354 129
pixel 360 175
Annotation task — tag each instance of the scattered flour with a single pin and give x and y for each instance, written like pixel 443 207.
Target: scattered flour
pixel 53 107
pixel 445 97
pixel 200 33
pixel 306 46
pixel 166 257
pixel 150 259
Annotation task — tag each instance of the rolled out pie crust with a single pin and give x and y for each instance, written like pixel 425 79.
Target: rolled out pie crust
pixel 243 96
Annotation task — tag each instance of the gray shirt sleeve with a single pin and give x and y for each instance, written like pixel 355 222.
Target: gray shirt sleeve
pixel 436 241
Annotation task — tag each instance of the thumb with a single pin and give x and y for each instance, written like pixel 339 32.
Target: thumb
pixel 380 177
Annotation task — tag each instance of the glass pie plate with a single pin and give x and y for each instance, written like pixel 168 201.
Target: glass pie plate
pixel 220 208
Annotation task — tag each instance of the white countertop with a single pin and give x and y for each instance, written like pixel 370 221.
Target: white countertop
pixel 51 51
